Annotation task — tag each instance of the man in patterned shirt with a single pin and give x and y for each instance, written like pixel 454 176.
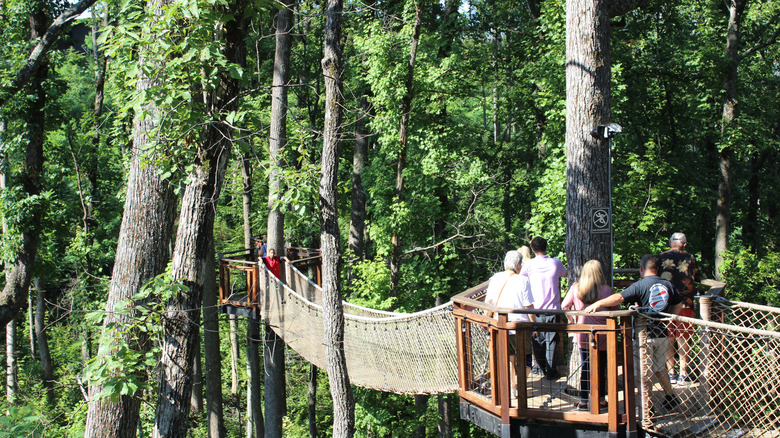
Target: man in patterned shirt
pixel 679 268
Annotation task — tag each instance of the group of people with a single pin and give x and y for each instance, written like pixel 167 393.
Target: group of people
pixel 666 286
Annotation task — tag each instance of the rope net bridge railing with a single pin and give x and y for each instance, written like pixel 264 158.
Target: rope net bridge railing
pixel 733 386
pixel 732 381
pixel 406 353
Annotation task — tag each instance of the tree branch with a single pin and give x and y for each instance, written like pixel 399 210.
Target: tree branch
pixel 768 42
pixel 40 50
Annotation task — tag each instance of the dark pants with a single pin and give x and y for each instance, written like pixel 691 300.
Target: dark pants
pixel 585 374
pixel 543 345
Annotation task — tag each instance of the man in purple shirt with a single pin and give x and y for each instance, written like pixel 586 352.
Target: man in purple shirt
pixel 544 274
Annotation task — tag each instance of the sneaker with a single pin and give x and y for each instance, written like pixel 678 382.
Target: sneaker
pixel 684 380
pixel 672 377
pixel 670 402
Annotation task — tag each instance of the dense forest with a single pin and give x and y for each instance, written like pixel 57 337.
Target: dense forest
pixel 414 141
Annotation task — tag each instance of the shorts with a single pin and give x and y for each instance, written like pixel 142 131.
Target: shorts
pixel 513 349
pixel 679 329
pixel 656 350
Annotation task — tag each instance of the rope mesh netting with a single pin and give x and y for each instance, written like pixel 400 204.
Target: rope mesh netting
pixel 407 353
pixel 733 376
pixel 733 370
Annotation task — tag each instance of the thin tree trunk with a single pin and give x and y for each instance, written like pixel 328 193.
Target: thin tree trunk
pixel 357 223
pixel 47 370
pixel 403 134
pixel 235 386
pixel 11 369
pixel 13 298
pixel 421 407
pixel 312 400
pixel 31 325
pixel 196 399
pixel 333 312
pixel 246 197
pixel 723 205
pixel 143 251
pixel 212 372
pixel 444 427
pixel 256 425
pixel 275 391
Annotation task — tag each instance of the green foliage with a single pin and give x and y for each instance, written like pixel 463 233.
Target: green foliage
pixel 19 421
pixel 752 277
pixel 129 345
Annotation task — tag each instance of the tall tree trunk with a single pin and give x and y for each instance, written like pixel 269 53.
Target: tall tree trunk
pixel 256 426
pixel 312 400
pixel 193 242
pixel 723 205
pixel 246 178
pixel 587 106
pixel 234 352
pixel 421 407
pixel 11 369
pixel 196 399
pixel 246 197
pixel 333 311
pixel 47 369
pixel 357 223
pixel 275 390
pixel 142 253
pixel 403 134
pixel 13 298
pixel 212 372
pixel 752 227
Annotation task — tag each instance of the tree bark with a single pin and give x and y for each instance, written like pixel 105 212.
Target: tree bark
pixel 193 240
pixel 142 253
pixel 196 399
pixel 11 369
pixel 403 134
pixel 246 198
pixel 212 372
pixel 723 204
pixel 588 65
pixel 333 312
pixel 275 390
pixel 13 298
pixel 357 223
pixel 234 352
pixel 256 425
pixel 312 400
pixel 47 369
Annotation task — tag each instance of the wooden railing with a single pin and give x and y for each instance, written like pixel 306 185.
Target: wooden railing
pixel 240 277
pixel 473 326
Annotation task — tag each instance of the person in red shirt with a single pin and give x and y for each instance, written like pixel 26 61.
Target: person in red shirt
pixel 272 262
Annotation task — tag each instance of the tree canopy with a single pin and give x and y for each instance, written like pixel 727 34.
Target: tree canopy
pixel 463 102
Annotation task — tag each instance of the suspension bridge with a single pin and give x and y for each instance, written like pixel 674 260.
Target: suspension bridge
pixel 461 347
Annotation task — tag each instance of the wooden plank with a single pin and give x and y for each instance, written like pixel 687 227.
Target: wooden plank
pixel 612 374
pixel 628 377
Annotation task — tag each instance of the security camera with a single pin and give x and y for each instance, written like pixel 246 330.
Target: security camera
pixel 608 131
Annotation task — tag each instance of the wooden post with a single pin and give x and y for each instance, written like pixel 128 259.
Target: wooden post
pixel 645 382
pixel 522 383
pixel 612 383
pixel 504 381
pixel 628 376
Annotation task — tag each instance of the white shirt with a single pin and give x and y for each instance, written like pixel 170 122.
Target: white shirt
pixel 516 293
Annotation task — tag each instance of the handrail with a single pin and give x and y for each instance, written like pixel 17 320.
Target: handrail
pixel 472 319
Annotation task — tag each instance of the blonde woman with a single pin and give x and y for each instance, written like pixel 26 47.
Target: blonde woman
pixel 591 287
